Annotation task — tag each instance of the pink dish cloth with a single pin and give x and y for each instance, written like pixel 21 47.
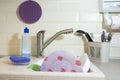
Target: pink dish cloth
pixel 61 61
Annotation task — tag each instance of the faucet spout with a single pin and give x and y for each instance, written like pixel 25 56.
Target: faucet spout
pixel 56 35
pixel 40 40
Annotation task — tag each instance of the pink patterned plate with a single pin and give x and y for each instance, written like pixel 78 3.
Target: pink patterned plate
pixel 61 61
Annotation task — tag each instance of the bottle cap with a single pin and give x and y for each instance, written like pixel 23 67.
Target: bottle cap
pixel 26 30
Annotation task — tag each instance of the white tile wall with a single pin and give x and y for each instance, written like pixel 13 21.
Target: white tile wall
pixel 56 15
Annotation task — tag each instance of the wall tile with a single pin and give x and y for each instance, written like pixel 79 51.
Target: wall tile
pixel 4 50
pixel 57 15
pixel 76 50
pixel 90 17
pixel 79 5
pixel 3 40
pixel 50 5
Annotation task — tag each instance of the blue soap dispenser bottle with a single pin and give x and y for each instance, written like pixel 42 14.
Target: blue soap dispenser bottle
pixel 26 44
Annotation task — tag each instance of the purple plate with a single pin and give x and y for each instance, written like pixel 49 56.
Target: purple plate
pixel 30 11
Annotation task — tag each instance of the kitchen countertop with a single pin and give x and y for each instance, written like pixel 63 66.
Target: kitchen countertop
pixel 8 70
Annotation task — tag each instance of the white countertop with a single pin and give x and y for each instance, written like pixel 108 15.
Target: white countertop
pixel 7 68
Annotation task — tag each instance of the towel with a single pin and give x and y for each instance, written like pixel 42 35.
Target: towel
pixel 115 22
pixel 112 21
pixel 19 60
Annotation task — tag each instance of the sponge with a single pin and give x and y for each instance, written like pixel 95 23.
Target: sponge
pixel 34 67
pixel 19 60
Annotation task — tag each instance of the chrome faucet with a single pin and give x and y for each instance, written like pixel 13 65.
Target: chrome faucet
pixel 40 40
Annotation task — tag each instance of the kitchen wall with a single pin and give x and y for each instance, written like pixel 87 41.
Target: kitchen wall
pixel 56 15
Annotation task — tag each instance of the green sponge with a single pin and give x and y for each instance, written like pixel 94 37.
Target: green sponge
pixel 34 67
